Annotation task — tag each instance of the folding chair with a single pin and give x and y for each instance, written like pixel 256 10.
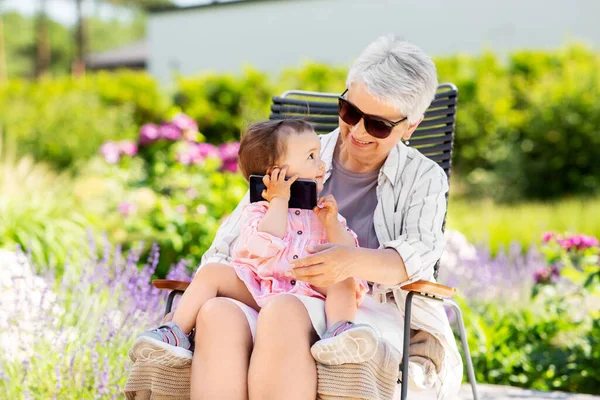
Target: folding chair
pixel 434 138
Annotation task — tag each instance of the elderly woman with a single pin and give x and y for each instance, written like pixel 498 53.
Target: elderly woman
pixel 393 198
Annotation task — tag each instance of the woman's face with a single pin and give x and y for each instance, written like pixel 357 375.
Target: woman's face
pixel 361 146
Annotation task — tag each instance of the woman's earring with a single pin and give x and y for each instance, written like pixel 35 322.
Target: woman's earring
pixel 406 142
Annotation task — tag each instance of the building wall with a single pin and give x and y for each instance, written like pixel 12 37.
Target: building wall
pixel 272 35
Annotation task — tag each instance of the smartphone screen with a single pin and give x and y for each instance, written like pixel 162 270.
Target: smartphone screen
pixel 303 192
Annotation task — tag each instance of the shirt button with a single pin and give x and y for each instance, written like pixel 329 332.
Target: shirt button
pixel 299 232
pixel 293 282
pixel 297 212
pixel 295 257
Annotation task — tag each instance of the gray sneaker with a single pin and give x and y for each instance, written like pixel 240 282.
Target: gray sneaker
pixel 166 345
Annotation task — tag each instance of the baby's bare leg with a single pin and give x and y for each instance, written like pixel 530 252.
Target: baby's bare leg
pixel 213 280
pixel 340 303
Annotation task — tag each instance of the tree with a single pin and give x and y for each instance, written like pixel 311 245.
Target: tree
pixel 42 58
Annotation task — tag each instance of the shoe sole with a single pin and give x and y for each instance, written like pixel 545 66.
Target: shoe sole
pixel 148 349
pixel 356 345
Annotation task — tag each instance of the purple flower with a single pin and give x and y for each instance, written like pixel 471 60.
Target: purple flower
pixel 588 241
pixel 565 244
pixel 126 208
pixel 170 131
pixel 547 237
pixel 149 133
pixel 111 152
pixel 204 150
pixel 229 151
pixel 230 166
pixel 541 275
pixel 128 148
pixel 184 123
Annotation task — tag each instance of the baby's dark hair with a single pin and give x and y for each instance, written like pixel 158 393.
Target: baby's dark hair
pixel 263 144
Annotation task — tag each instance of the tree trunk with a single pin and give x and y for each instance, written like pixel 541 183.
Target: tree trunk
pixel 80 41
pixel 3 72
pixel 42 60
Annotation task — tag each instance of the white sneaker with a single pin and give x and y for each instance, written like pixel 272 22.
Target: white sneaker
pixel 356 344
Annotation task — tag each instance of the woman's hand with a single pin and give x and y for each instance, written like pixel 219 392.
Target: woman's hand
pixel 327 210
pixel 276 184
pixel 327 264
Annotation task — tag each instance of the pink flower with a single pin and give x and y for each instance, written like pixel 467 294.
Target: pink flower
pixel 170 131
pixel 230 166
pixel 204 150
pixel 547 236
pixel 565 244
pixel 180 209
pixel 128 148
pixel 229 151
pixel 541 275
pixel 149 133
pixel 589 241
pixel 192 193
pixel 111 152
pixel 126 208
pixel 184 123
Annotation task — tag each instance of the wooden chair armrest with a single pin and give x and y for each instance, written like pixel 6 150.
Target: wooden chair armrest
pixel 434 289
pixel 170 285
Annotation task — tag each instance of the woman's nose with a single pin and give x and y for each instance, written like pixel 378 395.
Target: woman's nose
pixel 359 131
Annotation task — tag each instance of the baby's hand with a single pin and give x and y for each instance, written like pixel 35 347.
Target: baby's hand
pixel 327 210
pixel 276 184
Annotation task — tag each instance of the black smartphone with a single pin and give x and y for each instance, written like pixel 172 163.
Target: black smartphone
pixel 303 192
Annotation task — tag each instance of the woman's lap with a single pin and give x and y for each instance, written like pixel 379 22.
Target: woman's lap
pixel 385 318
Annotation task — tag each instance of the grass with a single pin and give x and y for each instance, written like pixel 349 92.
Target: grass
pixel 483 221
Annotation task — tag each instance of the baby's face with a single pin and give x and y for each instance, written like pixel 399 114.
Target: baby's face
pixel 303 157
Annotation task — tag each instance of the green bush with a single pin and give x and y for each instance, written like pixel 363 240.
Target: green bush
pixel 223 104
pixel 526 127
pixel 63 121
pixel 37 211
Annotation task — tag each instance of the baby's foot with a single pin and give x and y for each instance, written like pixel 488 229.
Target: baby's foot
pixel 421 374
pixel 166 345
pixel 345 343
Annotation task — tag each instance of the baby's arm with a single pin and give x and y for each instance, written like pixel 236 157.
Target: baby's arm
pixel 275 219
pixel 337 232
pixel 277 194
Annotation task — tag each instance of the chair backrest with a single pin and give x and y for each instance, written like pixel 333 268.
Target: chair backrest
pixel 434 137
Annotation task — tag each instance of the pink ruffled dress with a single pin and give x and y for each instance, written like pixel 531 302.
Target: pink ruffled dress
pixel 261 259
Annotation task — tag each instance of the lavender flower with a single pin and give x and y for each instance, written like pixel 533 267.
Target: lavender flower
pixel 149 133
pixel 111 152
pixel 170 131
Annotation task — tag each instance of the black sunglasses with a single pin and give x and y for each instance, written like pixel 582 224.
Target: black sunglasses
pixel 375 126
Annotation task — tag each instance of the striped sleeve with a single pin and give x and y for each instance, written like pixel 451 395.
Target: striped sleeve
pixel 220 249
pixel 421 240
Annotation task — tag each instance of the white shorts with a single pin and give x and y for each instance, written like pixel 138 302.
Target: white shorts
pixel 385 318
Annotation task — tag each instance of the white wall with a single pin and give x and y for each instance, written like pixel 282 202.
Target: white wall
pixel 271 35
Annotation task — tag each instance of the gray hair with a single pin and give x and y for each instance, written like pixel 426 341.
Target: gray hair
pixel 398 74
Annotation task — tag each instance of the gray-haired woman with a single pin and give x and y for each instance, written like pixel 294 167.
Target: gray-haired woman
pixel 394 199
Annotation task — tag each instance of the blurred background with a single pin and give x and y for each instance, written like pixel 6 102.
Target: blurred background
pixel 119 127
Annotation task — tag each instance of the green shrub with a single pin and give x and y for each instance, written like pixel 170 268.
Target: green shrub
pixel 223 104
pixel 63 121
pixel 37 211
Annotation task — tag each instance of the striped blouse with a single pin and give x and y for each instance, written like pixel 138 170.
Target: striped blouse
pixel 411 206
